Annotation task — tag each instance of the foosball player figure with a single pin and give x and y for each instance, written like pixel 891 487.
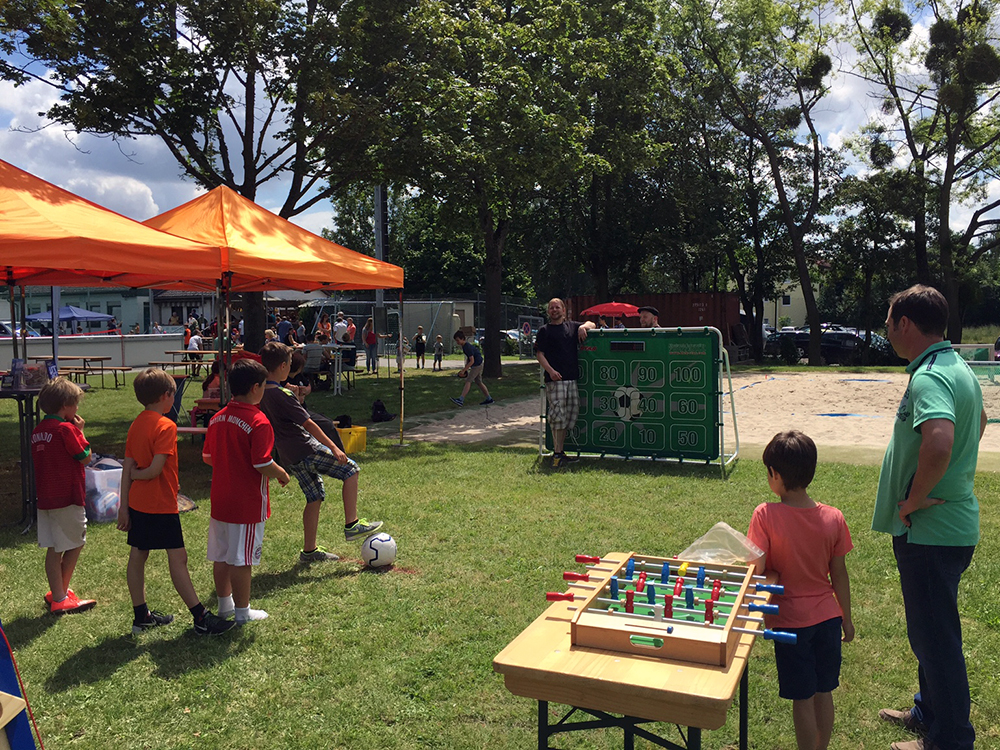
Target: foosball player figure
pixel 805 543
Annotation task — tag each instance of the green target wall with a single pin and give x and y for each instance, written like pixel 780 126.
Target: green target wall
pixel 649 392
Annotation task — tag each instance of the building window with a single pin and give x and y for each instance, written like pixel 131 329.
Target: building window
pixel 786 300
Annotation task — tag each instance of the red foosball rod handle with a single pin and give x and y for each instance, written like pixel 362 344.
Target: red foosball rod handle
pixel 571 576
pixel 587 559
pixel 560 596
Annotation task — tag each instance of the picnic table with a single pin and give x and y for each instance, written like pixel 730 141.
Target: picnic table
pixel 91 364
pixel 189 366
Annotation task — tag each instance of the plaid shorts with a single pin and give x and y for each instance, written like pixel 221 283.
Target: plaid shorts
pixel 564 404
pixel 309 472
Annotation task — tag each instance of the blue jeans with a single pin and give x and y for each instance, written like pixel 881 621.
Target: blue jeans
pixel 371 357
pixel 929 577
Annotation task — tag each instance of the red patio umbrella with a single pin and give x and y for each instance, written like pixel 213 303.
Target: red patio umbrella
pixel 613 309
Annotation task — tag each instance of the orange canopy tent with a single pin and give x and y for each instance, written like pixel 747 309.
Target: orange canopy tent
pixel 51 237
pixel 260 250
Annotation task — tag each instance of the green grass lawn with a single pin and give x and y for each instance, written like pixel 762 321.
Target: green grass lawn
pixel 402 659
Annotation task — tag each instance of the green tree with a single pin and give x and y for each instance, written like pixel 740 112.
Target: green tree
pixel 868 243
pixel 518 122
pixel 941 102
pixel 763 65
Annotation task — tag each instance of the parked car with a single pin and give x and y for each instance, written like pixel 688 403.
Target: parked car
pixel 837 347
pixel 5 328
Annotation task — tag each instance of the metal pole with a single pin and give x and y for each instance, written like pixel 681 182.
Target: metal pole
pixel 13 311
pixel 400 360
pixel 56 304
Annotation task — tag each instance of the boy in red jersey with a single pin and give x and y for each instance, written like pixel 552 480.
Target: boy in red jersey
pixel 238 448
pixel 148 510
pixel 59 452
pixel 805 542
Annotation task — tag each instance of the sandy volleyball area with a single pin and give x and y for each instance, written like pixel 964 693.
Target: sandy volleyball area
pixel 849 415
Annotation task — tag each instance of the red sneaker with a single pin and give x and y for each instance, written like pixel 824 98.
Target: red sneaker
pixel 71 604
pixel 48 595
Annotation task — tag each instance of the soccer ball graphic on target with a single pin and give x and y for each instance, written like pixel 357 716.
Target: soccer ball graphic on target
pixel 378 551
pixel 627 399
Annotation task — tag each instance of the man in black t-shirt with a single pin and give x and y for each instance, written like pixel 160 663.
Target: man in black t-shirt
pixel 557 351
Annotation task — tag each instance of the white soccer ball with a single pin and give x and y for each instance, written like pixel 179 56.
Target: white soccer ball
pixel 378 551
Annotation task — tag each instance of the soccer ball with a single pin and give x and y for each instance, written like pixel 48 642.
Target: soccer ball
pixel 627 400
pixel 378 551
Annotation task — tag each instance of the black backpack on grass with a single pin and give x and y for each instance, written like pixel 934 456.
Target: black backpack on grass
pixel 380 413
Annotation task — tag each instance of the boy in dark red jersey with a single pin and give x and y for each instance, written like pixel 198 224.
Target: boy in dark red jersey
pixel 59 452
pixel 238 448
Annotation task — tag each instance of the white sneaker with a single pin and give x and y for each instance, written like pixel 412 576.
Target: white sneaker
pixel 252 615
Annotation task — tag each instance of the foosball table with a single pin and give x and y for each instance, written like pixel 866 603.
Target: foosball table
pixel 651 638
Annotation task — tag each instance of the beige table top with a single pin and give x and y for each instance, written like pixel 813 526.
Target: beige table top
pixel 541 663
pixel 71 357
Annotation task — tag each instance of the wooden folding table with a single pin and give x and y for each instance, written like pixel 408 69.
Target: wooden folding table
pixel 543 664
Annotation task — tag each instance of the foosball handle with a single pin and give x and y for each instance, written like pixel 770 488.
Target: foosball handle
pixel 558 596
pixel 774 588
pixel 767 609
pixel 780 636
pixel 571 576
pixel 587 559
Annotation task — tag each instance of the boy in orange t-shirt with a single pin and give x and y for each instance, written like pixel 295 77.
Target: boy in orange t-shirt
pixel 805 542
pixel 148 510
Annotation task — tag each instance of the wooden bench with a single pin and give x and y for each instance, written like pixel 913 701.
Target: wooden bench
pixel 188 366
pixel 192 431
pixel 115 371
pixel 76 374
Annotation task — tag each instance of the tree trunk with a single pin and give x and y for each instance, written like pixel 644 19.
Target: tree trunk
pixel 494 235
pixel 947 250
pixel 253 321
pixel 812 309
pixel 920 230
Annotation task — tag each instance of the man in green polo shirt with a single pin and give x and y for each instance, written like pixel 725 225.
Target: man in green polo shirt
pixel 926 502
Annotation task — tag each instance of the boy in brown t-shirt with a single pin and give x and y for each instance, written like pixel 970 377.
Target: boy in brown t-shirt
pixel 148 510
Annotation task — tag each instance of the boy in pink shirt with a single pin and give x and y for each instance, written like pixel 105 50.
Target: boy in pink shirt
pixel 805 543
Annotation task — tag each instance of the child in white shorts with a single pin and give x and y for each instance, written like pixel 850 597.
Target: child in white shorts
pixel 60 452
pixel 238 448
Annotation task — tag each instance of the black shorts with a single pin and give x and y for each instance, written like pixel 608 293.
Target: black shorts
pixel 155 530
pixel 812 664
pixel 419 349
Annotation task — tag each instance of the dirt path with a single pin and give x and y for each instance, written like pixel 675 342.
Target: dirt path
pixel 850 416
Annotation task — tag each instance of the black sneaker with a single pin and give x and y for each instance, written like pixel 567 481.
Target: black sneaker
pixel 213 625
pixel 153 620
pixel 487 402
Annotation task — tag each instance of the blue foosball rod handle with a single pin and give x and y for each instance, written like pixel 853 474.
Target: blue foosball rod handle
pixel 774 588
pixel 780 636
pixel 767 609
pixel 771 635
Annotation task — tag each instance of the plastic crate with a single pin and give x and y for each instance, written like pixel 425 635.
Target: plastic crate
pixel 355 439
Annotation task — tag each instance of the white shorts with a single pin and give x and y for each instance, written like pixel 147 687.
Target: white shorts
pixel 62 529
pixel 238 544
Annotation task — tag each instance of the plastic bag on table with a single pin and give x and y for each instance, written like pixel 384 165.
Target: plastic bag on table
pixel 724 545
pixel 104 481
